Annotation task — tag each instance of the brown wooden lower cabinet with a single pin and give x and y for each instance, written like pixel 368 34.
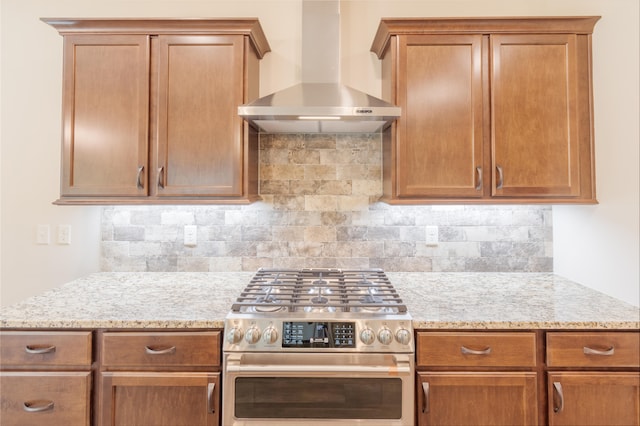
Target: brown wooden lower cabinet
pixel 155 398
pixel 594 398
pixel 45 377
pixel 477 377
pixel 593 378
pixel 536 377
pixel 477 398
pixel 159 378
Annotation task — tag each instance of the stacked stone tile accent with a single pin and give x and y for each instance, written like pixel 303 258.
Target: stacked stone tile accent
pixel 320 208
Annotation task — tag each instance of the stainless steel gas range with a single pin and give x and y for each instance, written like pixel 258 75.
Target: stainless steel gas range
pixel 318 347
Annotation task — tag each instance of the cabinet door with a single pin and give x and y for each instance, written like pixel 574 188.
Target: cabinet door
pixel 439 140
pixel 106 115
pixel 534 121
pixel 472 398
pixel 593 398
pixel 199 134
pixel 177 399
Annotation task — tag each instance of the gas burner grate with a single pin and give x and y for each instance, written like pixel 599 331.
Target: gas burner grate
pixel 320 290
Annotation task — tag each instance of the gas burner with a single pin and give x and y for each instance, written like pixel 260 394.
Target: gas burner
pixel 269 302
pixel 319 291
pixel 319 303
pixel 264 308
pixel 319 300
pixel 276 281
pixel 319 308
pixel 371 298
pixel 268 296
pixel 364 281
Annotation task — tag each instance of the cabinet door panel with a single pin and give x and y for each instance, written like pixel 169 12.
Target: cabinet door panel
pixel 200 144
pixel 106 120
pixel 177 399
pixel 593 398
pixel 440 131
pixel 494 398
pixel 534 115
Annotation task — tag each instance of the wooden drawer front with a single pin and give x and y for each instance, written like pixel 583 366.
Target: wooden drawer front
pixel 46 398
pixel 161 349
pixel 594 349
pixel 476 349
pixel 28 349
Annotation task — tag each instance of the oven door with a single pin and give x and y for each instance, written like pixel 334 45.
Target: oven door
pixel 318 389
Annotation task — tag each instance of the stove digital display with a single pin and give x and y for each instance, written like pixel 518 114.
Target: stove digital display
pixel 303 334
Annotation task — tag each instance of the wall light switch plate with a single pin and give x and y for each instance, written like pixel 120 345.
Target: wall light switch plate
pixel 432 235
pixel 42 234
pixel 190 235
pixel 64 234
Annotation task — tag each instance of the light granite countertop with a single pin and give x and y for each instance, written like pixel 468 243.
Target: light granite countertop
pixel 188 300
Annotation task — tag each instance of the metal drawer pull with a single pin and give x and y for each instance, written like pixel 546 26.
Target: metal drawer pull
pixel 557 390
pixel 37 406
pixel 468 351
pixel 500 178
pixel 425 397
pixel 160 176
pixel 165 351
pixel 479 185
pixel 210 403
pixel 591 351
pixel 39 349
pixel 139 182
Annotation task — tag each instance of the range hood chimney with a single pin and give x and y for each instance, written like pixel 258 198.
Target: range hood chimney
pixel 320 104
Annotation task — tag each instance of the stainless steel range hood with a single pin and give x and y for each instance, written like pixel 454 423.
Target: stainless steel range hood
pixel 320 104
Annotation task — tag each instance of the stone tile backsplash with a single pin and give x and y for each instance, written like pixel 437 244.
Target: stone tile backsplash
pixel 319 208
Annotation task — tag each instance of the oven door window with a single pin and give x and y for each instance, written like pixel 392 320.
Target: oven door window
pixel 320 398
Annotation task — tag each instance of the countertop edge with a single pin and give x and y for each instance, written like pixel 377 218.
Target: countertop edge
pixel 417 325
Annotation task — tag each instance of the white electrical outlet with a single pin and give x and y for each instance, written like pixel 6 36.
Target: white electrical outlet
pixel 42 234
pixel 190 235
pixel 432 235
pixel 64 234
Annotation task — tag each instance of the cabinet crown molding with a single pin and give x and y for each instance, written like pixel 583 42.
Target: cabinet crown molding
pixel 480 25
pixel 233 26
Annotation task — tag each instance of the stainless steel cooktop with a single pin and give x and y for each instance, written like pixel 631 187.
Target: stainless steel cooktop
pixel 326 310
pixel 319 290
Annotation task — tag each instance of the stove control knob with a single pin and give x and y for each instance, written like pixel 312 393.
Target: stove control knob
pixel 234 335
pixel 367 336
pixel 270 335
pixel 385 336
pixel 252 335
pixel 403 336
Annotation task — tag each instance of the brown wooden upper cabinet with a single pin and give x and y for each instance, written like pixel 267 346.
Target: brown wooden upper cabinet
pixel 150 110
pixel 494 110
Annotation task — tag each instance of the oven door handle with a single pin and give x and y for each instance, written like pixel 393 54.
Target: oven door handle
pixel 399 367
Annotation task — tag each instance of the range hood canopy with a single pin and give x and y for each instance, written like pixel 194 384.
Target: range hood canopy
pixel 320 104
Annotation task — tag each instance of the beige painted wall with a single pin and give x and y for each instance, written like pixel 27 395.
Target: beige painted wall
pixel 605 256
